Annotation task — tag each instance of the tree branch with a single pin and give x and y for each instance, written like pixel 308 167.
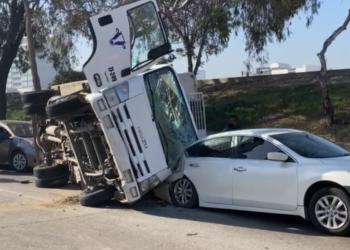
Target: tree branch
pixel 181 7
pixel 329 41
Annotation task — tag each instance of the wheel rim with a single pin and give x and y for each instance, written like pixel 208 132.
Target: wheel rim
pixel 19 162
pixel 183 191
pixel 331 212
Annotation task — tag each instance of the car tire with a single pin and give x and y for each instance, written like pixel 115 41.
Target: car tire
pixel 34 109
pixel 97 196
pixel 65 105
pixel 19 161
pixel 178 191
pixel 41 96
pixel 58 181
pixel 44 171
pixel 337 226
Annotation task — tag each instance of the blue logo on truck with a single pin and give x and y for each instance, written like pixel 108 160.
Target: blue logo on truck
pixel 118 39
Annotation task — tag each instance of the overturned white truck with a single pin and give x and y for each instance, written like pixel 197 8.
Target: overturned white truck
pixel 123 133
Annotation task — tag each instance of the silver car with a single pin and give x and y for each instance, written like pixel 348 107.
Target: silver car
pixel 17 145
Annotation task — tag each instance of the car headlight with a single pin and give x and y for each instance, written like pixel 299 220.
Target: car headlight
pixel 111 97
pixel 123 91
pixel 144 186
pixel 149 183
pixel 154 181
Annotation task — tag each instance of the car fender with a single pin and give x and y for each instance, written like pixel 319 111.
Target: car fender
pixel 339 177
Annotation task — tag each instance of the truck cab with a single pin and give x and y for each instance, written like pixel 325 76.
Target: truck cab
pixel 125 132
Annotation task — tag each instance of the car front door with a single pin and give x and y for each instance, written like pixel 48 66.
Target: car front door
pixel 261 183
pixel 5 143
pixel 209 167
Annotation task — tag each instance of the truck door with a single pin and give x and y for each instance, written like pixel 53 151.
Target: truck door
pixel 126 41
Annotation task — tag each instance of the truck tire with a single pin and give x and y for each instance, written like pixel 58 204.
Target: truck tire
pixel 97 196
pixel 41 96
pixel 65 105
pixel 58 181
pixel 45 172
pixel 34 109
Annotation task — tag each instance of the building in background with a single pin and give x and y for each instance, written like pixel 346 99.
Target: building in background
pixel 285 68
pixel 23 82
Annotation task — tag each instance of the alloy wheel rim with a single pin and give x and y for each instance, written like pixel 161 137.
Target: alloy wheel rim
pixel 183 191
pixel 331 212
pixel 19 161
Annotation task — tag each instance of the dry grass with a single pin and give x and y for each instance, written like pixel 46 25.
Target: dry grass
pixel 285 106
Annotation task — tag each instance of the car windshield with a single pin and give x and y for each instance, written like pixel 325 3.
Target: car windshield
pixel 170 113
pixel 24 130
pixel 310 146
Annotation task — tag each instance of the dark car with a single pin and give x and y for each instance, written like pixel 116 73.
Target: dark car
pixel 17 145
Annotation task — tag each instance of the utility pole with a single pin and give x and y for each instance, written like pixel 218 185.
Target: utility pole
pixel 33 67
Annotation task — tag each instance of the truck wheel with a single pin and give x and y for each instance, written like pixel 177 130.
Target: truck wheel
pixel 65 105
pixel 54 182
pixel 44 171
pixel 97 196
pixel 41 96
pixel 34 109
pixel 329 211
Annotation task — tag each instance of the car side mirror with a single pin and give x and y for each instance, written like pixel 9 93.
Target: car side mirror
pixel 277 156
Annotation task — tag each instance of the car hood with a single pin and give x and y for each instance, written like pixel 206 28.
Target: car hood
pixel 338 161
pixel 30 139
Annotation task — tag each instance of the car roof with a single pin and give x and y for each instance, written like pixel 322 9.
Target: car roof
pixel 5 122
pixel 262 132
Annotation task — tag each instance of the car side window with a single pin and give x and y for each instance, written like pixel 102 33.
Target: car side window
pixel 216 148
pixel 3 135
pixel 254 148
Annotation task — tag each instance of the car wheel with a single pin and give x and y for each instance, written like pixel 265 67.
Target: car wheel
pixel 329 211
pixel 97 196
pixel 34 109
pixel 65 105
pixel 184 194
pixel 44 171
pixel 41 96
pixel 19 161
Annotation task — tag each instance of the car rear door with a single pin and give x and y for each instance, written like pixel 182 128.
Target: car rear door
pixel 126 41
pixel 261 183
pixel 5 143
pixel 209 167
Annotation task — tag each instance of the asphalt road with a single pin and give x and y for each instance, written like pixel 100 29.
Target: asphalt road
pixel 32 218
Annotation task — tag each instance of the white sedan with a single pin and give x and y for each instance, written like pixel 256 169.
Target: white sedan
pixel 280 171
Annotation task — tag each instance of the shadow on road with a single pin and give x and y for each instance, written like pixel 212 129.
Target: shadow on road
pixel 270 222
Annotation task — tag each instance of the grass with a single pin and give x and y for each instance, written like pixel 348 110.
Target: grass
pixel 291 106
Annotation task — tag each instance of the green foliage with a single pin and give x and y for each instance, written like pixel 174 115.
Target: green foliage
pixel 17 114
pixel 252 104
pixel 68 76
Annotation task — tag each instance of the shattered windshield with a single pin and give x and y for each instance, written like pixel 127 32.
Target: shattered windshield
pixel 171 114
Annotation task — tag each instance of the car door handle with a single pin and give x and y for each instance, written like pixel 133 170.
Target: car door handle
pixel 240 169
pixel 194 165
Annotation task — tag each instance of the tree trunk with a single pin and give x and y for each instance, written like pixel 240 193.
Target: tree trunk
pixel 189 61
pixel 9 51
pixel 326 101
pixel 3 100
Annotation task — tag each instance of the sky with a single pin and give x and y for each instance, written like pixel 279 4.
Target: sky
pixel 300 48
